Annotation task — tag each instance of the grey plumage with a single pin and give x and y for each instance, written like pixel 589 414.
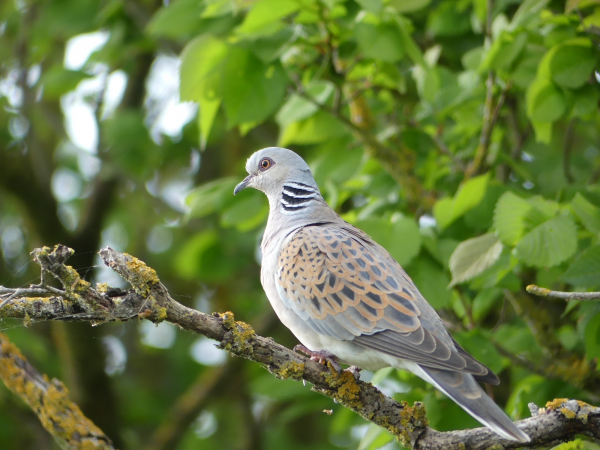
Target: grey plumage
pixel 339 291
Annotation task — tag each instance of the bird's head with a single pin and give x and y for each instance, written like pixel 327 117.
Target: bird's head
pixel 270 168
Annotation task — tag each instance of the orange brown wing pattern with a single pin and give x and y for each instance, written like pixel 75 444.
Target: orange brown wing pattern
pixel 344 286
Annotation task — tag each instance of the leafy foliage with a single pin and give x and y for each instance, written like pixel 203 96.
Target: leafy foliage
pixel 472 156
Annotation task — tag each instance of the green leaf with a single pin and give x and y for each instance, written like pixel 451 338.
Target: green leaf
pixel 251 90
pixel 510 218
pixel 206 118
pixel 408 44
pixel 543 131
pixel 470 194
pixel 473 256
pixel 586 101
pixel 381 42
pixel 592 337
pixel 337 162
pixel 588 213
pixel 449 19
pixel 526 70
pixel 406 240
pixel 484 301
pixel 375 437
pixel 442 211
pixel 481 347
pixel 430 279
pixel 572 62
pixel 374 6
pixel 264 12
pixel 211 197
pixel 246 213
pixel 548 244
pixel 528 11
pixel 129 143
pixel 176 19
pixel 202 62
pixel 57 81
pixel 545 101
pixel 401 237
pixel 467 197
pixel 504 51
pixel 585 270
pixel 299 108
pixel 269 48
pixel 318 128
pixel 381 375
pixel 408 6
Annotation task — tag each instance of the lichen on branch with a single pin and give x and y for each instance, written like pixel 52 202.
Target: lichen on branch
pixel 149 299
pixel 49 399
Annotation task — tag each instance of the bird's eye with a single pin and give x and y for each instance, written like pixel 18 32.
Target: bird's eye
pixel 265 163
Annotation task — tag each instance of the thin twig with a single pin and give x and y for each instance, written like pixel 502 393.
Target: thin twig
pixel 489 117
pixel 543 292
pixel 567 151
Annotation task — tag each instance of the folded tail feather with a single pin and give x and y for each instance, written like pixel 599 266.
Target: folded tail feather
pixel 466 392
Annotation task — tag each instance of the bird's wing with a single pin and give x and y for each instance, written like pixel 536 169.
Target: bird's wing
pixel 345 286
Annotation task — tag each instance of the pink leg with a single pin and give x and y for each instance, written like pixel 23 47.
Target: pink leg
pixel 322 356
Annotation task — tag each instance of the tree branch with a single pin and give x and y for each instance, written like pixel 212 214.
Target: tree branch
pixel 50 401
pixel 148 299
pixel 544 292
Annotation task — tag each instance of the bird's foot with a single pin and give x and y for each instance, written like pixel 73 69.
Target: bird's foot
pixel 354 370
pixel 321 356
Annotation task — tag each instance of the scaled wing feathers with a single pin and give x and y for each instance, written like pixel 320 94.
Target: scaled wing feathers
pixel 345 286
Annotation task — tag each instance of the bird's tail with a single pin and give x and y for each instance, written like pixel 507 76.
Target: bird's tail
pixel 464 390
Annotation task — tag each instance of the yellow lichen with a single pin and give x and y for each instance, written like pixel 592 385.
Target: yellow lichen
pixel 291 369
pixel 49 400
pixel 143 276
pixel 568 413
pixel 102 288
pixel 161 314
pixel 556 403
pixel 411 417
pixel 242 333
pixel 346 389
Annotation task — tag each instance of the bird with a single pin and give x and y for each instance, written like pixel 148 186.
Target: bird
pixel 346 299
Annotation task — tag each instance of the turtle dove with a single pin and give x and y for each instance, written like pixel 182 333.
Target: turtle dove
pixel 345 298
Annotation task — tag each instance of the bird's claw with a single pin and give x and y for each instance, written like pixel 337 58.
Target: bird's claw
pixel 354 370
pixel 321 356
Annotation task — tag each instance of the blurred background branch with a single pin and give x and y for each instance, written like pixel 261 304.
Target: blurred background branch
pixel 50 401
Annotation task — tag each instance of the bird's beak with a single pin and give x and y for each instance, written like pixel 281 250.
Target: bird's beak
pixel 243 185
